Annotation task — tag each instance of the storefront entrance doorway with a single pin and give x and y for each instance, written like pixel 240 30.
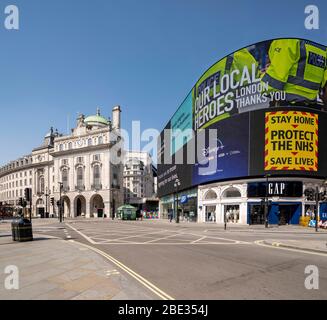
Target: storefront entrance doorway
pixel 210 213
pixel 41 212
pixel 232 213
pixel 256 215
pixel 286 213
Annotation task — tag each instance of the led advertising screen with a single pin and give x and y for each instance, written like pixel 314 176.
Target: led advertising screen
pixel 288 141
pixel 228 154
pixel 264 86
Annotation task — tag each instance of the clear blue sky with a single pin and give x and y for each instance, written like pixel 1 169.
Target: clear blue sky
pixel 71 56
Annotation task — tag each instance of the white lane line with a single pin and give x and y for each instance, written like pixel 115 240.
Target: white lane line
pixel 140 235
pixel 164 238
pixel 136 276
pixel 171 243
pixel 198 240
pixel 219 238
pixel 272 246
pixel 80 233
pixel 154 241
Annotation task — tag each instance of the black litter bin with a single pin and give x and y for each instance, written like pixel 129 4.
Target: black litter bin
pixel 24 230
pixel 14 229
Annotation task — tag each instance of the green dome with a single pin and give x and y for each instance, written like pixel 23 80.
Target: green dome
pixel 96 120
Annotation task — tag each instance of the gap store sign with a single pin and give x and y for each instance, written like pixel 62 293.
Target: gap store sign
pixel 287 189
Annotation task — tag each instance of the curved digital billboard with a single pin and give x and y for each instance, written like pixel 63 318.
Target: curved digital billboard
pixel 245 116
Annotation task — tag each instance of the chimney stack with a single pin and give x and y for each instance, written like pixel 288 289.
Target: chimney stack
pixel 116 111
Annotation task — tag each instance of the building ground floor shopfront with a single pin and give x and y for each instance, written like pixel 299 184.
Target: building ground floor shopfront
pixel 185 201
pixel 243 202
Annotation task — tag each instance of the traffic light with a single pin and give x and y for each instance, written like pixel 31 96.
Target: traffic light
pixel 28 193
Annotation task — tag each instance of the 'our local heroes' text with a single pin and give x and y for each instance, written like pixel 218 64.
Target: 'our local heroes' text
pixel 227 94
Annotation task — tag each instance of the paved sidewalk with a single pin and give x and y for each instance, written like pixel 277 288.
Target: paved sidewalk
pixel 306 245
pixel 53 269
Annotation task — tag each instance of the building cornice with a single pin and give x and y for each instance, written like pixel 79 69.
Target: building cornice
pixel 87 134
pixel 41 148
pixel 81 150
pixel 26 167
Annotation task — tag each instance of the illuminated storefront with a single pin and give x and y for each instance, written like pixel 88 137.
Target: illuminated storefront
pixel 186 202
pixel 242 201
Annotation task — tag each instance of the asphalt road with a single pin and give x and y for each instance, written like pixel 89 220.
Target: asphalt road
pixel 197 262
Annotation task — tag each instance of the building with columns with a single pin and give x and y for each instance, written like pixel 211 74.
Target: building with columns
pixel 140 181
pixel 84 167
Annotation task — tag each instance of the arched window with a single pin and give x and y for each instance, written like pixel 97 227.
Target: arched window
pixel 89 142
pixel 96 176
pixel 100 140
pixel 211 195
pixel 70 145
pixel 61 147
pixel 64 176
pixel 232 193
pixel 80 177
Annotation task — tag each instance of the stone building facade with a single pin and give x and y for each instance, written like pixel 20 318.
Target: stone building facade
pixel 84 167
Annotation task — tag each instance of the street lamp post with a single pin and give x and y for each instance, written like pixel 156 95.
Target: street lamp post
pixel 112 200
pixel 320 196
pixel 60 201
pixel 317 196
pixel 266 202
pixel 176 185
pixel 225 220
pixel 46 202
pixel 30 192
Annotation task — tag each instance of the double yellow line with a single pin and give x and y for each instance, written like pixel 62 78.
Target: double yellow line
pixel 162 295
